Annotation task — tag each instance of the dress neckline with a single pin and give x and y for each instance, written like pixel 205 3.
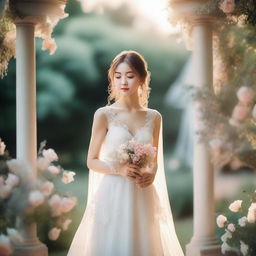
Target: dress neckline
pixel 125 126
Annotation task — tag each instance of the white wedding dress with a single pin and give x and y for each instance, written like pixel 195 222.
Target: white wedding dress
pixel 122 219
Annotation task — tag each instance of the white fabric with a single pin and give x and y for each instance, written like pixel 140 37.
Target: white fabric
pixel 122 219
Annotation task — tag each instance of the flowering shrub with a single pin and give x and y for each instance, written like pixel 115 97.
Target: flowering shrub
pixel 240 236
pixel 43 29
pixel 35 198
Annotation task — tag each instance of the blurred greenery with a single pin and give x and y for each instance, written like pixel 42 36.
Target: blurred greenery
pixel 72 83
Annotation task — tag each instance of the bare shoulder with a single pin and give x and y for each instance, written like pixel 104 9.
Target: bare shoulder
pixel 157 115
pixel 100 115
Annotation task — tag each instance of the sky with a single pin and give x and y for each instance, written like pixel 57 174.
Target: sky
pixel 155 11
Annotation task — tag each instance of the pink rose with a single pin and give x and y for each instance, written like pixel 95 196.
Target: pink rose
pixel 227 6
pixel 5 191
pixel 245 94
pixel 53 169
pixel 47 188
pixel 54 233
pixel 55 204
pixel 2 147
pixel 68 203
pixel 49 44
pixel 12 180
pixel 50 155
pixel 240 112
pixel 67 177
pixel 35 198
pixel 235 206
pixel 66 224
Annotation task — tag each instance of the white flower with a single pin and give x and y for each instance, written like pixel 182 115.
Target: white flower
pixel 66 224
pixel 50 155
pixel 235 206
pixel 244 248
pixel 35 198
pixel 47 188
pixel 242 221
pixel 14 236
pixel 54 233
pixel 12 180
pixel 231 227
pixel 5 245
pixel 2 147
pixel 53 169
pixel 16 166
pixel 42 163
pixel 227 235
pixel 251 216
pixel 225 247
pixel 67 177
pixel 68 203
pixel 221 220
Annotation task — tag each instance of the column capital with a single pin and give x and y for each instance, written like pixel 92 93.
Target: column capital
pixel 33 12
pixel 195 12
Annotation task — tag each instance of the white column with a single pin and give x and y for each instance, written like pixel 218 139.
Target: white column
pixel 204 241
pixel 26 125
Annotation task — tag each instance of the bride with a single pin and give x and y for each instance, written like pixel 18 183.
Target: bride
pixel 128 210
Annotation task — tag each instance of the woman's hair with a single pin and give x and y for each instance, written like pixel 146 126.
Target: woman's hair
pixel 140 66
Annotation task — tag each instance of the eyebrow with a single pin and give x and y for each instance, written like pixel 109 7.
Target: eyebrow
pixel 126 72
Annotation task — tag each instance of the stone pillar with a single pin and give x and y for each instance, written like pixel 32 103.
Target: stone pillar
pixel 204 241
pixel 26 126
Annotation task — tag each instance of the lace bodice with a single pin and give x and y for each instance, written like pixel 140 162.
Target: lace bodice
pixel 119 132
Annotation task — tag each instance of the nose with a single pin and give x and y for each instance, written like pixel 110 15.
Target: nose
pixel 123 80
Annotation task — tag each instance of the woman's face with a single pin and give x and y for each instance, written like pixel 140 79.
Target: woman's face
pixel 126 80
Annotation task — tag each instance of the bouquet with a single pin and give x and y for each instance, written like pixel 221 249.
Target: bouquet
pixel 136 153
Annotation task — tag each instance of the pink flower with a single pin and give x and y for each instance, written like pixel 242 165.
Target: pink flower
pixel 53 169
pixel 5 246
pixel 227 6
pixel 235 206
pixel 54 233
pixel 67 177
pixel 221 220
pixel 12 180
pixel 251 216
pixel 240 112
pixel 2 147
pixel 50 155
pixel 66 224
pixel 49 44
pixel 35 198
pixel 55 204
pixel 47 188
pixel 245 94
pixel 5 191
pixel 42 163
pixel 68 203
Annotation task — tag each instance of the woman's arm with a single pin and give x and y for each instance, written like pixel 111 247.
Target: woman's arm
pixel 99 131
pixel 148 177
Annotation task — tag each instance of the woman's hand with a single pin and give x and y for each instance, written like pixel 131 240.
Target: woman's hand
pixel 130 171
pixel 146 179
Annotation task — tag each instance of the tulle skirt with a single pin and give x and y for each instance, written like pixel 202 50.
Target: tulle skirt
pixel 121 220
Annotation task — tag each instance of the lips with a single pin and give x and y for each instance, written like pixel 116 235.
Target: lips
pixel 124 89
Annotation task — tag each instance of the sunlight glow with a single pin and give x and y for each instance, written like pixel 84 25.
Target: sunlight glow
pixel 148 12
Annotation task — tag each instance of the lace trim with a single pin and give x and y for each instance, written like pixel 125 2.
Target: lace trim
pixel 112 117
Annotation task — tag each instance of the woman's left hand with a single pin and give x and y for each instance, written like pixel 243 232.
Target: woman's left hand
pixel 146 179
